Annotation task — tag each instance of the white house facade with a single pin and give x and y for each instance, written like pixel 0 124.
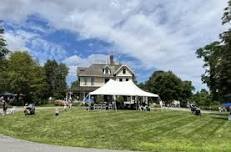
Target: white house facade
pixel 92 77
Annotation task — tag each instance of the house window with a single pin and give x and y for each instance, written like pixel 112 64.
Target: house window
pixel 106 80
pixel 85 80
pixel 127 79
pixel 124 71
pixel 106 71
pixel 120 79
pixel 92 81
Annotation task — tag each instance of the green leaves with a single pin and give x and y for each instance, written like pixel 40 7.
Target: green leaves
pixel 3 50
pixel 217 62
pixel 169 86
pixel 56 78
pixel 25 76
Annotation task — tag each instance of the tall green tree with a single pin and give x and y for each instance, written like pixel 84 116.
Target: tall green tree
pixel 217 59
pixel 3 48
pixel 61 87
pixel 25 76
pixel 74 85
pixel 202 98
pixel 169 86
pixel 56 78
pixel 3 62
pixel 50 68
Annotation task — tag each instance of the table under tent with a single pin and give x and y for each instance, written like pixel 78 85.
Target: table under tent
pixel 128 89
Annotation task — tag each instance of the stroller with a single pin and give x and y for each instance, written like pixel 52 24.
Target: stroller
pixel 29 109
pixel 195 110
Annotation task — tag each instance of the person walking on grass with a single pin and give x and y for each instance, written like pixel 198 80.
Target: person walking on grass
pixel 4 107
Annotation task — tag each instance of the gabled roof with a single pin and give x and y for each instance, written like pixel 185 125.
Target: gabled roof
pixel 122 67
pixel 97 70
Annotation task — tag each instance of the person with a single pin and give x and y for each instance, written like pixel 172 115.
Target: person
pixel 229 117
pixel 220 109
pixel 56 112
pixel 4 106
pixel 65 106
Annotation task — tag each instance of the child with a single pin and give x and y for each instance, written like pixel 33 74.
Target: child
pixel 56 112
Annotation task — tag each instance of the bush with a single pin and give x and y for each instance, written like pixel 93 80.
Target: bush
pixel 77 104
pixel 42 102
pixel 155 106
pixel 213 107
pixel 99 99
pixel 120 99
pixel 59 102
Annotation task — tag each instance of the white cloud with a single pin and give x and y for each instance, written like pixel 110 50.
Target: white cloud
pixel 38 47
pixel 160 33
pixel 15 42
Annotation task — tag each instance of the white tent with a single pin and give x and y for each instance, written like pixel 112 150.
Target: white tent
pixel 127 88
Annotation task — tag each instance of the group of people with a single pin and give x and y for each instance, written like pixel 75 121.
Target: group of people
pixel 144 107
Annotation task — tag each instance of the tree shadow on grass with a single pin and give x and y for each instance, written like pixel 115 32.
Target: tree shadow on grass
pixel 220 116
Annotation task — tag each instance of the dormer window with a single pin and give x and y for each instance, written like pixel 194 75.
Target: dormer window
pixel 124 71
pixel 106 71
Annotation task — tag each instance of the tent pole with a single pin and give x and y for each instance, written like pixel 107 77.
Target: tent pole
pixel 136 103
pixel 114 98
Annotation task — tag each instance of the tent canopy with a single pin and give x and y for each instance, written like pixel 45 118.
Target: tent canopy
pixel 127 88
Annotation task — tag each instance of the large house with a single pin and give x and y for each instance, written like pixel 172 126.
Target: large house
pixel 92 77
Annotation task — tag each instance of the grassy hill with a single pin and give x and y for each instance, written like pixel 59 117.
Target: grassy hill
pixel 130 130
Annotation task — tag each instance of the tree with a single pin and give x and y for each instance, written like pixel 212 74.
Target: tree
pixel 202 98
pixel 3 62
pixel 50 68
pixel 61 85
pixel 186 92
pixel 25 76
pixel 3 49
pixel 211 55
pixel 56 78
pixel 169 86
pixel 217 58
pixel 74 85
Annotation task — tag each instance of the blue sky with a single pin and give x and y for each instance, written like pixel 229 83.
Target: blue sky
pixel 147 35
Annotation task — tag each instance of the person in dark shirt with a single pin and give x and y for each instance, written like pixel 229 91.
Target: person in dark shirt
pixel 4 107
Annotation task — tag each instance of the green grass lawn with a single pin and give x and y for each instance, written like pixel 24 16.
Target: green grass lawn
pixel 130 130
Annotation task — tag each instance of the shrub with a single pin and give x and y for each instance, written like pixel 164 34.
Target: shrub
pixel 77 104
pixel 120 99
pixel 99 99
pixel 59 102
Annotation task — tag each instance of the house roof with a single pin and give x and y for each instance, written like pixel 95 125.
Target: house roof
pixel 97 70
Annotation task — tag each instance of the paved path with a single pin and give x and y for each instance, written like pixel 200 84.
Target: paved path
pixel 8 144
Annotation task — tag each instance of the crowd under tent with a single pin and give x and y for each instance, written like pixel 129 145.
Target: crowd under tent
pixel 127 88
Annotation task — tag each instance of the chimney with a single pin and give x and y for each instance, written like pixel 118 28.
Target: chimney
pixel 111 59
